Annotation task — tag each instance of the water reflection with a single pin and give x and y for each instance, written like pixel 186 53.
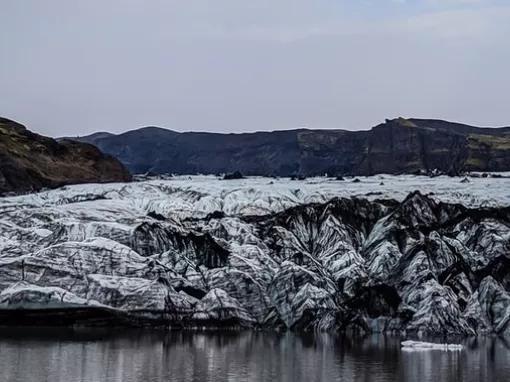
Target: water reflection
pixel 56 355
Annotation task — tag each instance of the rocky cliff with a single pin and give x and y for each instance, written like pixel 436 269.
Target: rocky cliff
pixel 29 161
pixel 396 146
pixel 153 253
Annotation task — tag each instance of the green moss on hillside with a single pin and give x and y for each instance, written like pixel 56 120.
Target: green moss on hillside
pixel 492 141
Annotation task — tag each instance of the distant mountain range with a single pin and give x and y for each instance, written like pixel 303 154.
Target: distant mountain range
pixel 29 162
pixel 396 146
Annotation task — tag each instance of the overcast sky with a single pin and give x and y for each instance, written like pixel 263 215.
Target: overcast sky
pixel 75 67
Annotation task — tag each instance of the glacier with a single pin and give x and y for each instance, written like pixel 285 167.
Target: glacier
pixel 394 254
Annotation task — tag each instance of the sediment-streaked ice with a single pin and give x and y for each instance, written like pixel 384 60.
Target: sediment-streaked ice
pixel 317 254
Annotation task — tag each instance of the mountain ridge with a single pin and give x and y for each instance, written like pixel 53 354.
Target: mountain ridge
pixel 396 146
pixel 296 129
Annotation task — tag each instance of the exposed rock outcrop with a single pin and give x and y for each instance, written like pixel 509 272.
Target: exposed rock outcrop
pixel 30 162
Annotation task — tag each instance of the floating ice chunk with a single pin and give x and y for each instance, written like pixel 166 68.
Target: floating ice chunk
pixel 420 345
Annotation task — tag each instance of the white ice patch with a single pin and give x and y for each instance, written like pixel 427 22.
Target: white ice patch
pixel 419 345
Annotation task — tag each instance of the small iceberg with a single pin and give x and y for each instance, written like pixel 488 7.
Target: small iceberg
pixel 420 345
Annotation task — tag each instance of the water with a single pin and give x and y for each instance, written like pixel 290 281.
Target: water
pixel 100 355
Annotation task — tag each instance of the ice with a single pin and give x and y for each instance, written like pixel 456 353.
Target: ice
pixel 419 345
pixel 311 254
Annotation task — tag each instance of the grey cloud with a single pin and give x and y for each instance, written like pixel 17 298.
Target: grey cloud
pixel 71 68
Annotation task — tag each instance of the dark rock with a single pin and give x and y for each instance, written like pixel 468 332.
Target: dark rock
pixel 233 175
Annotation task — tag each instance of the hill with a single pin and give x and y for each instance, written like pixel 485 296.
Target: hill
pixel 29 162
pixel 396 146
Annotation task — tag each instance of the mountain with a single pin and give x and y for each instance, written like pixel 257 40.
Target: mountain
pixel 186 253
pixel 29 161
pixel 396 146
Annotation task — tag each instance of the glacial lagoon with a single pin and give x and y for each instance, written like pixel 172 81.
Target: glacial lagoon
pixel 37 354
